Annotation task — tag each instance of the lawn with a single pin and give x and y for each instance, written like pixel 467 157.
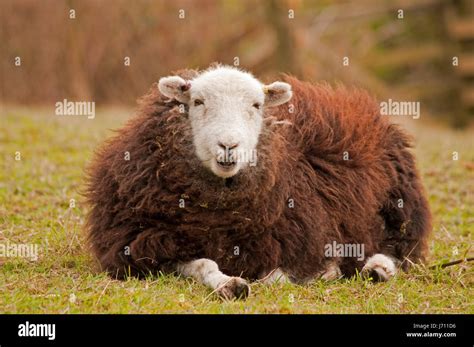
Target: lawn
pixel 42 162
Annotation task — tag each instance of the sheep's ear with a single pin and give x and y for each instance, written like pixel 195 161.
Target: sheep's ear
pixel 277 93
pixel 174 87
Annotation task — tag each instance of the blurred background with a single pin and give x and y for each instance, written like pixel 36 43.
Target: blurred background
pixel 111 51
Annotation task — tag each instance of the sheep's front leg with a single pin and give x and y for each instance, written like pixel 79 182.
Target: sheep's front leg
pixel 207 272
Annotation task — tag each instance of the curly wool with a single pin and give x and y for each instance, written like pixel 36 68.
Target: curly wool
pixel 162 206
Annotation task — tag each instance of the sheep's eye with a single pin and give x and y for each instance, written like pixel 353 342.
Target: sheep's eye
pixel 198 102
pixel 256 105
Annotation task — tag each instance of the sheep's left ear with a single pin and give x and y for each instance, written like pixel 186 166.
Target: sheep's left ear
pixel 277 93
pixel 174 87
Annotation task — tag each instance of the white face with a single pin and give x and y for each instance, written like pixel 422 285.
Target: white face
pixel 226 114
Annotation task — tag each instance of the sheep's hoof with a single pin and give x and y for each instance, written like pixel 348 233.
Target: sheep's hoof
pixel 379 267
pixel 377 274
pixel 234 288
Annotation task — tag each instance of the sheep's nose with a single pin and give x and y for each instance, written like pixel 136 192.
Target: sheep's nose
pixel 228 146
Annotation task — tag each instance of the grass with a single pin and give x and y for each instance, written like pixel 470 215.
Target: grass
pixel 35 197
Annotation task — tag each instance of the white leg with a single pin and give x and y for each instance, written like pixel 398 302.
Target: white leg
pixel 207 272
pixel 380 267
pixel 275 276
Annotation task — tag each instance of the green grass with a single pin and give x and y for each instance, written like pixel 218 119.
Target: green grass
pixel 35 194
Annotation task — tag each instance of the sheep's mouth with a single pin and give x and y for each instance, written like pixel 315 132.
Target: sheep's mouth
pixel 226 165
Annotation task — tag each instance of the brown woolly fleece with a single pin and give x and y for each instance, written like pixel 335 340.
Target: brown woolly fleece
pixel 248 224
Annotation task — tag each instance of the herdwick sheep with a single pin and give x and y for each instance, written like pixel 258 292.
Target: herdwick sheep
pixel 225 179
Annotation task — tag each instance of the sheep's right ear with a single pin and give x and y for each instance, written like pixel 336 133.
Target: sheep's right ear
pixel 174 87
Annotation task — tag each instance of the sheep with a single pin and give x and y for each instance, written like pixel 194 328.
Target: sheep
pixel 174 192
